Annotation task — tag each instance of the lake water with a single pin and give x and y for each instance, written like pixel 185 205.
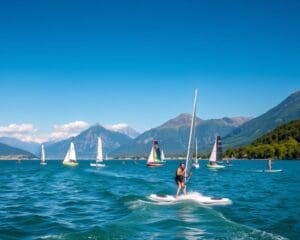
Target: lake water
pixel 59 202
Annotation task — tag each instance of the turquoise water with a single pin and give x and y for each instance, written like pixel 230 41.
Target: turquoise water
pixel 58 202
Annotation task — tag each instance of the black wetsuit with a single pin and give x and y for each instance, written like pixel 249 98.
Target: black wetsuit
pixel 179 178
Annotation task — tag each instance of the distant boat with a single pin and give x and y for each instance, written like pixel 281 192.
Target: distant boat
pixel 43 159
pixel 216 155
pixel 70 158
pixel 196 163
pixel 154 159
pixel 99 158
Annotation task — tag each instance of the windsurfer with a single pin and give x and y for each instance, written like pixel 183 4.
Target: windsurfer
pixel 180 172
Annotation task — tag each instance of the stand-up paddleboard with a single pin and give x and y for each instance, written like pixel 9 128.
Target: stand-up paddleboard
pixel 195 197
pixel 273 171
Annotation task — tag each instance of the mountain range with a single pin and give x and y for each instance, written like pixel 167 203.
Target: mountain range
pixel 286 111
pixel 172 135
pixel 8 152
pixel 85 143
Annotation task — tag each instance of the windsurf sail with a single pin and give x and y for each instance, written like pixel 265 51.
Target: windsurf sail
pixel 189 157
pixel 99 157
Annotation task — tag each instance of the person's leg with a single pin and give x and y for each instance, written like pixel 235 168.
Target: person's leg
pixel 178 189
pixel 184 188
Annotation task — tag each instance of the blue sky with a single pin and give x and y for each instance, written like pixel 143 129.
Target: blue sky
pixel 138 62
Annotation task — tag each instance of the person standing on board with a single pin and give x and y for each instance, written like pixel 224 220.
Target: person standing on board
pixel 180 172
pixel 269 164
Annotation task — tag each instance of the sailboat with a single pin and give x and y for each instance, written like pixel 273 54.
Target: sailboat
pixel 99 158
pixel 70 158
pixel 43 159
pixel 216 155
pixel 196 163
pixel 154 159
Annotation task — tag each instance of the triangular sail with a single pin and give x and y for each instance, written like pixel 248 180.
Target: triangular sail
pixel 219 150
pixel 43 159
pixel 163 157
pixel 155 154
pixel 99 150
pixel 71 154
pixel 213 155
pixel 189 159
pixel 217 154
pixel 151 156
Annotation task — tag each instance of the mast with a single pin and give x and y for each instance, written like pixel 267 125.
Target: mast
pixel 196 161
pixel 188 156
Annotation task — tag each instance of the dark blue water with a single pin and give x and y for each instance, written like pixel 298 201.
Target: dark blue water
pixel 59 202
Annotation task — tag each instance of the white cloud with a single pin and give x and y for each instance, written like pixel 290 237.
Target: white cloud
pixel 68 130
pixel 23 128
pixel 26 132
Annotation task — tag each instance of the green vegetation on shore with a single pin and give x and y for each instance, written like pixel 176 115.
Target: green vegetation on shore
pixel 281 143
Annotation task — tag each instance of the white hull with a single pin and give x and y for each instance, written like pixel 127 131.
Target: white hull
pixel 97 164
pixel 43 163
pixel 215 166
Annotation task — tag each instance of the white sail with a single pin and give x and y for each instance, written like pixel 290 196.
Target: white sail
pixel 213 155
pixel 67 157
pixel 188 163
pixel 71 154
pixel 151 156
pixel 43 159
pixel 163 157
pixel 99 151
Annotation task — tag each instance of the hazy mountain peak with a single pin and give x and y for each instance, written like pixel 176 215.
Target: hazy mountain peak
pixel 182 120
pixel 123 128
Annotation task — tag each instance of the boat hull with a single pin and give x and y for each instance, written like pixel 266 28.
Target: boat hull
pixel 43 163
pixel 215 166
pixel 72 164
pixel 154 164
pixel 98 165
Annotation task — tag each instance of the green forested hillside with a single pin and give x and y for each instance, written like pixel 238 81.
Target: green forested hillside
pixel 281 143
